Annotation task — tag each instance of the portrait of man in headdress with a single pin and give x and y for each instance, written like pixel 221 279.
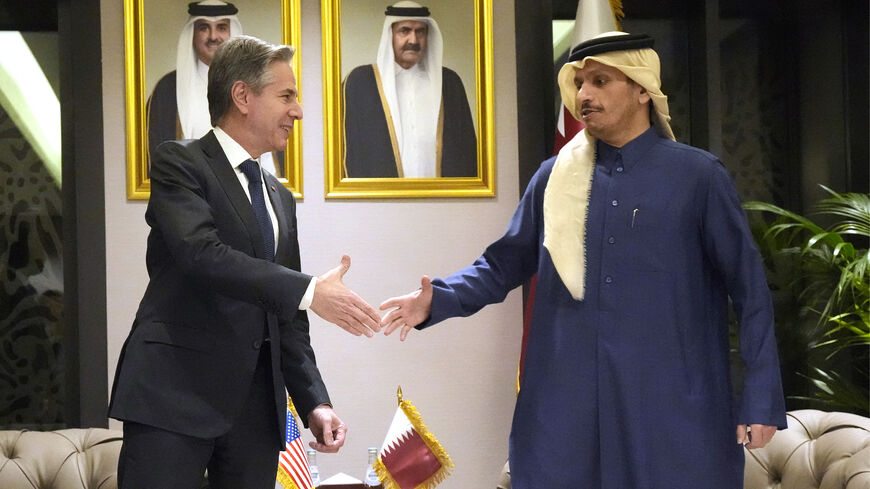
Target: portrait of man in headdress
pixel 177 108
pixel 407 115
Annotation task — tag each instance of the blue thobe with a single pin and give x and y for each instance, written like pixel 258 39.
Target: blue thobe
pixel 630 388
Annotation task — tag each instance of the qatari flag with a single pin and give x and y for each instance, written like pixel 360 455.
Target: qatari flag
pixel 411 457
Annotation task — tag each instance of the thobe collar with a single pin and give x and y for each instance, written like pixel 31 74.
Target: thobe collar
pixel 608 157
pixel 566 201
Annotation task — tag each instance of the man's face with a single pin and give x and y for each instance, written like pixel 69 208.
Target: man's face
pixel 272 112
pixel 613 108
pixel 207 36
pixel 409 42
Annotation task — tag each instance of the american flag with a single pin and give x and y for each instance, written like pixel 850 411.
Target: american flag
pixel 293 472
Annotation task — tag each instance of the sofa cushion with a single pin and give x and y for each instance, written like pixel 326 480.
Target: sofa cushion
pixel 63 459
pixel 819 450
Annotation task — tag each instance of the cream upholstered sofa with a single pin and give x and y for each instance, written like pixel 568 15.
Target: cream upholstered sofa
pixel 63 459
pixel 78 458
pixel 819 450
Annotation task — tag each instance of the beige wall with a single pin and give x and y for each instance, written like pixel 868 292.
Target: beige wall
pixel 460 374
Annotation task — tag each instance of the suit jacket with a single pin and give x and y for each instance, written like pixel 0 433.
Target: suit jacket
pixel 212 301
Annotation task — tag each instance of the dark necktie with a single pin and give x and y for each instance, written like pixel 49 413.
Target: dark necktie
pixel 255 186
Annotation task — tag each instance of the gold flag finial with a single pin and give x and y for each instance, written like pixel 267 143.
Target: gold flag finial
pixel 399 394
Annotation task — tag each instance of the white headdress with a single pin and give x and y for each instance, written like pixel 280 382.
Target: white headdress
pixel 429 103
pixel 191 82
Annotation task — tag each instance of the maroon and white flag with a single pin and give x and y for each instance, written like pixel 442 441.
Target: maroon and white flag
pixel 411 457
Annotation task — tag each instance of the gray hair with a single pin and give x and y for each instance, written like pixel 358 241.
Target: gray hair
pixel 246 59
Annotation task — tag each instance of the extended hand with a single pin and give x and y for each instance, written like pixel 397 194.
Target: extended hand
pixel 410 309
pixel 756 436
pixel 327 428
pixel 334 302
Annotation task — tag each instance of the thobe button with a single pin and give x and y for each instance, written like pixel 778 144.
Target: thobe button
pixel 614 203
pixel 608 279
pixel 611 240
pixel 257 344
pixel 619 169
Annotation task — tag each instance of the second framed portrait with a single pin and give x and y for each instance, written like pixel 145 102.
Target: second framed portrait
pixel 408 99
pixel 168 47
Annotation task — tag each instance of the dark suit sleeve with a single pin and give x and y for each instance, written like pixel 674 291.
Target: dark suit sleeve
pixel 189 213
pixel 299 367
pixel 298 364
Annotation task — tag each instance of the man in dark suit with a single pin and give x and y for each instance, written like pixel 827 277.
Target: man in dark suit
pixel 222 329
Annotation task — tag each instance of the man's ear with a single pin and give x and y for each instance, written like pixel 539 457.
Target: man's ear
pixel 241 93
pixel 643 96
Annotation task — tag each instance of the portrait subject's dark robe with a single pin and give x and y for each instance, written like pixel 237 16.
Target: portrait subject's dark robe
pixel 162 113
pixel 371 150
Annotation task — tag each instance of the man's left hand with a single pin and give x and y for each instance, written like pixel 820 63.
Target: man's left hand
pixel 756 436
pixel 327 428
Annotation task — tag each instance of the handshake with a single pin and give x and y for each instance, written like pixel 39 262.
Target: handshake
pixel 336 303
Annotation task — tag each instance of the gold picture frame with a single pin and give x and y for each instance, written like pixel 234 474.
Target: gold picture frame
pixel 135 54
pixel 341 186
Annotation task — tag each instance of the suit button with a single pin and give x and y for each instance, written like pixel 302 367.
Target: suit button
pixel 257 344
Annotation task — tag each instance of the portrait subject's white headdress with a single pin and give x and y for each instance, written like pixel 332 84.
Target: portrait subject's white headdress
pixel 191 82
pixel 429 102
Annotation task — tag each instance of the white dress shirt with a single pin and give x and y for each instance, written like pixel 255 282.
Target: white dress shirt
pixel 237 155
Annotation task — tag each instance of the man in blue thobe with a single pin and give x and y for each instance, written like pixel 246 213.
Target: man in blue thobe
pixel 637 242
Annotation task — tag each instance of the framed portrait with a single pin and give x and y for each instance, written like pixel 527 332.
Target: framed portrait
pixel 408 101
pixel 155 32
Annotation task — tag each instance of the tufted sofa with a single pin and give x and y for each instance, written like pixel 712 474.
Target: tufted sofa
pixel 63 459
pixel 84 458
pixel 818 450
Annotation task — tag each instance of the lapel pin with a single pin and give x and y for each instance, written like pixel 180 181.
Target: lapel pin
pixel 272 187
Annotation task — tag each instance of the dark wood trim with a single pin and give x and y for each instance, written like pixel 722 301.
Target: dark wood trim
pixel 536 84
pixel 83 213
pixel 855 96
pixel 29 16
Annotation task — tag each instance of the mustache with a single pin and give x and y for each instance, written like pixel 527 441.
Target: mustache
pixel 410 46
pixel 586 105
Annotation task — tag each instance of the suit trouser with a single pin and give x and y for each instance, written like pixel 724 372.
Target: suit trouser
pixel 246 457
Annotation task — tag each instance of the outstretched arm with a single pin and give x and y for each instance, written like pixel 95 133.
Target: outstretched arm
pixel 336 303
pixel 408 310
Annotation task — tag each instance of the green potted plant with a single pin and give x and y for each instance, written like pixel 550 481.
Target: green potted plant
pixel 820 279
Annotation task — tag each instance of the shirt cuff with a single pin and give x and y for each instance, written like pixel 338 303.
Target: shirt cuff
pixel 305 303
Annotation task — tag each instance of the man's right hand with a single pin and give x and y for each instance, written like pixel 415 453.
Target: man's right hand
pixel 410 309
pixel 334 302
